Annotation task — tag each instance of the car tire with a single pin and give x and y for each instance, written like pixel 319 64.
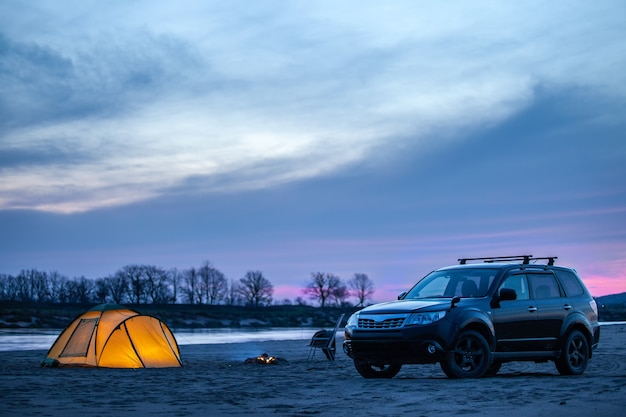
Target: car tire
pixel 369 370
pixel 574 354
pixel 469 358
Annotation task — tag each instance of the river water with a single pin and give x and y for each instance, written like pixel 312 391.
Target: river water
pixel 42 339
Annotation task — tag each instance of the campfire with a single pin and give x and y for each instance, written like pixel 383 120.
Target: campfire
pixel 265 359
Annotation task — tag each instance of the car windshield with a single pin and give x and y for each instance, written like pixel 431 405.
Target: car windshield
pixel 467 282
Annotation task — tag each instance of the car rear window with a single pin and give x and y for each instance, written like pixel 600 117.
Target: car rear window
pixel 570 282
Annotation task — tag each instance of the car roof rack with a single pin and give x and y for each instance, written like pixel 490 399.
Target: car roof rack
pixel 524 258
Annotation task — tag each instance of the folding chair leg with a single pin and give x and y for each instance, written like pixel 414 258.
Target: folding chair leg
pixel 330 354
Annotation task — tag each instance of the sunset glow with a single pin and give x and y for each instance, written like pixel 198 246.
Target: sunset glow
pixel 297 137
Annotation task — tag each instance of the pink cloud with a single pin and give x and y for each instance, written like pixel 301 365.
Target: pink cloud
pixel 290 292
pixel 599 285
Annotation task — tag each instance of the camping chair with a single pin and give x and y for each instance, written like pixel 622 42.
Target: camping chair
pixel 325 340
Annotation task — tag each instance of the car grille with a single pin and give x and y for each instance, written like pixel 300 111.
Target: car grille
pixel 392 323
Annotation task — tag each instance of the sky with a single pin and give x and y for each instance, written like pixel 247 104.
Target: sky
pixel 292 137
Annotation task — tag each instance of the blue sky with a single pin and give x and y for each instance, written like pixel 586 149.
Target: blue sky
pixel 300 136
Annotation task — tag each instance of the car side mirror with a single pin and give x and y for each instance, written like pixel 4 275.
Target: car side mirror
pixel 505 294
pixel 508 294
pixel 401 295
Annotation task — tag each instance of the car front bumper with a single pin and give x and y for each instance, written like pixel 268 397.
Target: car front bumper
pixel 406 346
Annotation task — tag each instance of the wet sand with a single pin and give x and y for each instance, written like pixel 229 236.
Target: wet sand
pixel 215 381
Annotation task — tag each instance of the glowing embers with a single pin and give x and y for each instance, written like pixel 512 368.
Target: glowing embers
pixel 265 359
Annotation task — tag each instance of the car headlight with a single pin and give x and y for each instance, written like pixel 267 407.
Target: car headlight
pixel 353 320
pixel 424 318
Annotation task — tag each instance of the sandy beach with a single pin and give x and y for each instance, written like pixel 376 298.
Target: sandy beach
pixel 215 381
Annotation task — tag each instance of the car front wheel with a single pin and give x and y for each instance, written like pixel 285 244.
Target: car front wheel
pixel 370 370
pixel 574 355
pixel 469 358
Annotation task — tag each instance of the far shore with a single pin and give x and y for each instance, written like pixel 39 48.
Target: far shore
pixel 178 316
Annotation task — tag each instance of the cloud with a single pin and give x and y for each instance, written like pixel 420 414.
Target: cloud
pixel 216 98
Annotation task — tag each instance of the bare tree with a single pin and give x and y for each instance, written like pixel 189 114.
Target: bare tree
pixel 80 290
pixel 57 285
pixel 64 289
pixel 118 287
pixel 176 278
pixel 190 286
pixel 134 275
pixel 38 282
pixel 23 287
pixel 324 288
pixel 340 295
pixel 157 284
pixel 233 296
pixel 362 288
pixel 256 289
pixel 101 290
pixel 8 287
pixel 213 283
pixel 300 301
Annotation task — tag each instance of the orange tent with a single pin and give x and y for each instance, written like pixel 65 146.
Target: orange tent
pixel 113 336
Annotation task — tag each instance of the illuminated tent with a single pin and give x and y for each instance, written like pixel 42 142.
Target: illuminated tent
pixel 113 336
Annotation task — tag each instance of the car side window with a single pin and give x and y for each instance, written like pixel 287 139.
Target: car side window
pixel 544 286
pixel 519 283
pixel 570 282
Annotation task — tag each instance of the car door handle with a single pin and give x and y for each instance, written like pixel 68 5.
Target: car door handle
pixel 532 309
pixel 567 307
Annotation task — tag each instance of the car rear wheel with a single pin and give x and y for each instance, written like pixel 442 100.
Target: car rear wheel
pixel 574 355
pixel 469 358
pixel 370 370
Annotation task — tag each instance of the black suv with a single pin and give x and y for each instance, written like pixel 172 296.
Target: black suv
pixel 473 317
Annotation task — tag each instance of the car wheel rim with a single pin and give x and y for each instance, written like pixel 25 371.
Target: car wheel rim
pixel 468 354
pixel 577 353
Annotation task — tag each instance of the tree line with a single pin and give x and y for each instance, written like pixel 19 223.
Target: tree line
pixel 149 284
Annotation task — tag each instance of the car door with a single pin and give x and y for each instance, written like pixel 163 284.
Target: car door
pixel 514 320
pixel 552 309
